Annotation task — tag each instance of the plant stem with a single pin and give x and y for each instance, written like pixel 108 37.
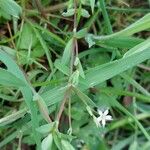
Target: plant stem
pixel 127 120
pixel 40 8
pixel 66 97
pixel 10 33
pixel 74 54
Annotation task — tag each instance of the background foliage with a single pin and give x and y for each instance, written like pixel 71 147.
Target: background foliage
pixel 61 61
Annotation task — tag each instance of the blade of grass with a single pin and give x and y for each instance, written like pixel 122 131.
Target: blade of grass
pixel 140 25
pixel 122 122
pixel 135 84
pixel 43 44
pixel 26 91
pixel 105 15
pixel 104 72
pixel 125 111
pixel 11 118
pixel 125 93
pixel 8 79
pixel 52 35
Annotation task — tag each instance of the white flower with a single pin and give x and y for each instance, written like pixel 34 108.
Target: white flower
pixel 104 117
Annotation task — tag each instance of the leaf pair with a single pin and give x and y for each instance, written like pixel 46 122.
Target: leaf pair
pixel 71 12
pixel 54 138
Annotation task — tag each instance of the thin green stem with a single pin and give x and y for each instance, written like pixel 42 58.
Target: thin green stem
pixel 122 122
pixel 110 90
pixel 135 84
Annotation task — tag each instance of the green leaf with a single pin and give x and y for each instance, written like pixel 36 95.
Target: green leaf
pixel 8 79
pixel 57 140
pixel 135 84
pixel 67 52
pixel 134 145
pixel 85 13
pixel 81 70
pixel 13 117
pixel 92 3
pixel 117 91
pixel 61 67
pixel 70 12
pixel 91 20
pixel 51 35
pixel 37 51
pixel 81 33
pixel 104 72
pixel 47 128
pixel 86 100
pixel 8 50
pixel 54 96
pixel 124 110
pixel 12 67
pixel 44 46
pixel 66 145
pixel 140 25
pixel 120 42
pixel 47 143
pixel 10 8
pixel 28 37
pixel 89 39
pixel 74 78
pixel 26 91
pixel 42 106
pixel 138 48
pixel 98 75
pixel 9 138
pixel 78 65
pixel 122 143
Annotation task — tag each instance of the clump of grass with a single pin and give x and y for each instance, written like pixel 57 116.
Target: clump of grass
pixel 64 65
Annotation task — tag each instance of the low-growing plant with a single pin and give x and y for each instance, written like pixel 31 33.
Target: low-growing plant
pixel 74 75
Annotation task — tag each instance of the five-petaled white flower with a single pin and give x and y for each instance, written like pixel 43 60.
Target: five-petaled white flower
pixel 103 117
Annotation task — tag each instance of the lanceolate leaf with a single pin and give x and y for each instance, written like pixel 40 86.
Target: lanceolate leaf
pixel 70 12
pixel 138 48
pixel 61 67
pixel 84 97
pixel 140 25
pixel 10 7
pixel 92 3
pixel 67 52
pixel 13 68
pixel 47 142
pixel 104 72
pixel 66 145
pixel 8 79
pixel 13 117
pixel 121 42
pixel 11 65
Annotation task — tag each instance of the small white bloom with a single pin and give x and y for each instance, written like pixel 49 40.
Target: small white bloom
pixel 103 117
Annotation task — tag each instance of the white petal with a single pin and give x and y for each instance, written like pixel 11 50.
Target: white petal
pixel 100 112
pixel 108 117
pixel 106 112
pixel 99 119
pixel 96 121
pixel 103 122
